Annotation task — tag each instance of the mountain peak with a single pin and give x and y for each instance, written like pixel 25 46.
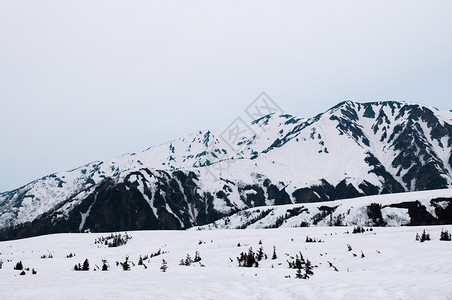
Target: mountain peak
pixel 353 149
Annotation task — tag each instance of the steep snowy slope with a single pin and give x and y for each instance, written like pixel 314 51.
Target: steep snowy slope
pixel 353 149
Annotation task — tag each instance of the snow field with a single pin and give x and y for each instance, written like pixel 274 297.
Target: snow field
pixel 395 266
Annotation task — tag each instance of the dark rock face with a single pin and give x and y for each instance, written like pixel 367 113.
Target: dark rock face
pixel 420 216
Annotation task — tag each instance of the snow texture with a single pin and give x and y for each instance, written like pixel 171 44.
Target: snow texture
pixel 394 266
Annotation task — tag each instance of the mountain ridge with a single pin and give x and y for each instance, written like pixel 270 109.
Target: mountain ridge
pixel 353 149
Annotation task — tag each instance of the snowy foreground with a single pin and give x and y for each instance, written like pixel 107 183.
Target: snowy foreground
pixel 394 266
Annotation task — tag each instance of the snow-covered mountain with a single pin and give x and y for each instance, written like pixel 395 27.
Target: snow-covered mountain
pixel 351 150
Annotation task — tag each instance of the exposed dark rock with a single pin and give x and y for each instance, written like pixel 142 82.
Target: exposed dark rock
pixel 418 213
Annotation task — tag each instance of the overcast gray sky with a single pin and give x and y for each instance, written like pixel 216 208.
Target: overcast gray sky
pixel 88 80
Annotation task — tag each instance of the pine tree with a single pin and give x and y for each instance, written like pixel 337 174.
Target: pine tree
pixel 164 266
pixel 260 254
pixel 250 259
pixel 425 236
pixel 274 253
pixel 299 274
pixel 188 260
pixel 125 265
pixel 19 266
pixel 308 269
pixel 197 257
pixel 445 235
pixel 85 265
pixel 104 265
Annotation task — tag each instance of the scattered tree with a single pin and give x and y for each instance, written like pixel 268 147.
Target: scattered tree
pixel 304 268
pixel 274 256
pixel 425 237
pixel 113 240
pixel 248 260
pixel 105 265
pixel 312 240
pixel 85 266
pixel 445 236
pixel 164 266
pixel 197 257
pixel 159 252
pixel 260 254
pixel 125 265
pixel 358 229
pixel 19 266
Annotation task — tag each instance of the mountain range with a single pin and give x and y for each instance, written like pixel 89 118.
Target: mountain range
pixel 351 150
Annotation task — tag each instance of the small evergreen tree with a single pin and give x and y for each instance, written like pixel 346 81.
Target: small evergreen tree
pixel 33 271
pixel 358 229
pixel 125 265
pixel 260 254
pixel 248 260
pixel 274 256
pixel 197 257
pixel 425 236
pixel 188 261
pixel 85 266
pixel 299 274
pixel 445 236
pixel 164 266
pixel 19 266
pixel 308 269
pixel 104 265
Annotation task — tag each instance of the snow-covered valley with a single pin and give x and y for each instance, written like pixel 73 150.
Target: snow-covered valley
pixel 383 263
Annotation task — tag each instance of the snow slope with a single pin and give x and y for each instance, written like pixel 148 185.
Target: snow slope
pixel 394 266
pixel 392 210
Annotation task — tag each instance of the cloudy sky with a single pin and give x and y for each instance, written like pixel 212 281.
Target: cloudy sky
pixel 87 80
